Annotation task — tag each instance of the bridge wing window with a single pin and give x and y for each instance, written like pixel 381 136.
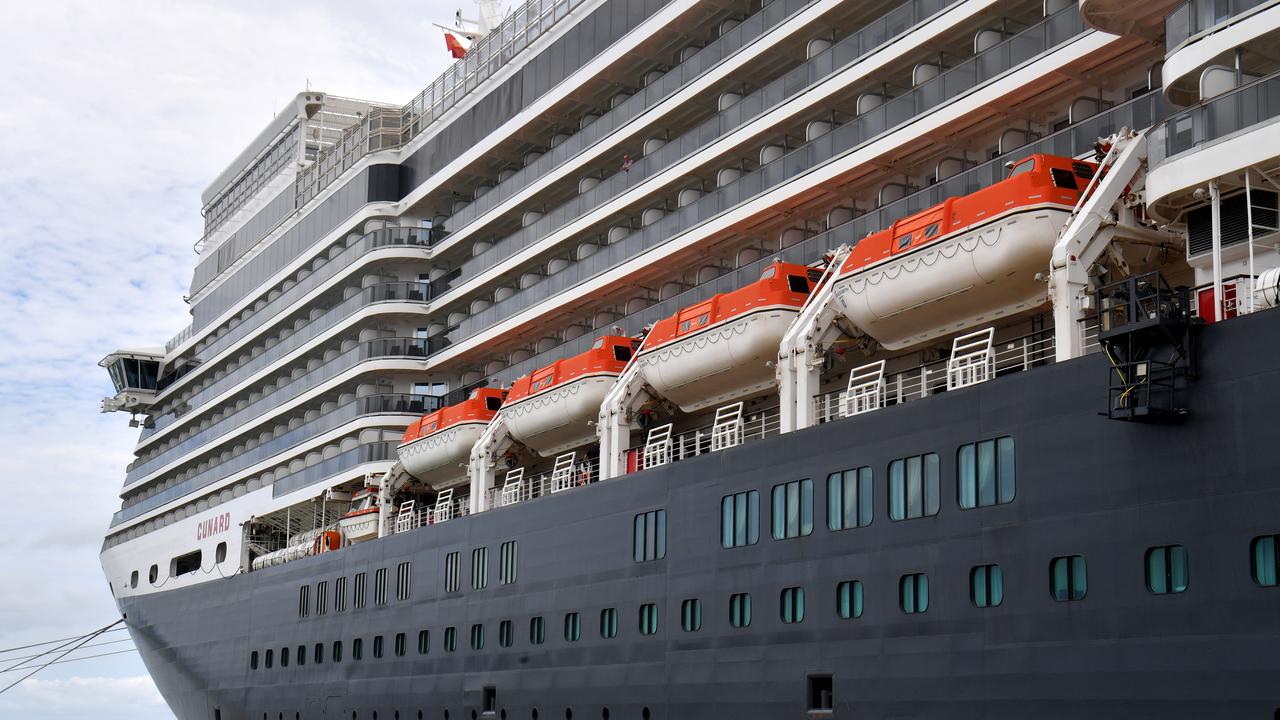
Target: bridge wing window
pixel 797 283
pixel 1063 179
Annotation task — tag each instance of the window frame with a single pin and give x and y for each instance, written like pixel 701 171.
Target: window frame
pixel 1069 561
pixel 1267 544
pixel 649 536
pixel 691 615
pixel 1001 458
pixel 989 579
pixel 849 599
pixel 1172 561
pixel 791 605
pixel 913 587
pixel 740 610
pixel 791 503
pixel 862 480
pixel 900 472
pixel 740 519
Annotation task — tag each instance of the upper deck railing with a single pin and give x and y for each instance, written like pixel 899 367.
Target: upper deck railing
pixel 1214 119
pixel 1195 16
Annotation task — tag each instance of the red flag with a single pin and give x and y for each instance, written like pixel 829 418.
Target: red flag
pixel 455 48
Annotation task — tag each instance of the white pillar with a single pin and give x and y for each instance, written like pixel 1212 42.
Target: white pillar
pixel 1215 200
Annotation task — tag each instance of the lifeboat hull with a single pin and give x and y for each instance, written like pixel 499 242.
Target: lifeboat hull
pixel 441 457
pixel 975 278
pixel 725 362
pixel 559 418
pixel 360 526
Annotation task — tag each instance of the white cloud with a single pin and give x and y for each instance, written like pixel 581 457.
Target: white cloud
pixel 117 116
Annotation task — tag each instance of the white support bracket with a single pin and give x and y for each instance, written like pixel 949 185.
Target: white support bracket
pixel 1083 240
pixel 483 468
pixel 800 352
pixel 388 484
pixel 726 430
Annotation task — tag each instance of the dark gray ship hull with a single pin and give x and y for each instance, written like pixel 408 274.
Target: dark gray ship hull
pixel 1086 485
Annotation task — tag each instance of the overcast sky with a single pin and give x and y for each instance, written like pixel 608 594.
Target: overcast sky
pixel 115 116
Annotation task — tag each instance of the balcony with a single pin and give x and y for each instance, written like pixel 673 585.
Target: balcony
pixel 1212 45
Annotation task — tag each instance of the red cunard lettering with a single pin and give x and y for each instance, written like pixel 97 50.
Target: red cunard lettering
pixel 213 526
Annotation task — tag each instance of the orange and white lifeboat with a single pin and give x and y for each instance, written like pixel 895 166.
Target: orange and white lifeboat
pixel 361 521
pixel 551 409
pixel 718 349
pixel 436 447
pixel 967 261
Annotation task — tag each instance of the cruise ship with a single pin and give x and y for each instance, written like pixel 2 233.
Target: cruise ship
pixel 683 359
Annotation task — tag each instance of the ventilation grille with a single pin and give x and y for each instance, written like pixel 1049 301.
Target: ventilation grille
pixel 1234 222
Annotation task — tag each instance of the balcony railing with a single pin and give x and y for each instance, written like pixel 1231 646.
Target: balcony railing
pixel 1246 106
pixel 1195 16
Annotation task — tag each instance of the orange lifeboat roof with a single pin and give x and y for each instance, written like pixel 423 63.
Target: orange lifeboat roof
pixel 481 406
pixel 1037 180
pixel 607 356
pixel 785 284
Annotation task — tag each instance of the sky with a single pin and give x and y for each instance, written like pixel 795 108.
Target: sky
pixel 115 117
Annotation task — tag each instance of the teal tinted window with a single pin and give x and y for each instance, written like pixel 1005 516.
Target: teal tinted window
pixel 792 509
pixel 572 627
pixel 849 599
pixel 739 610
pixel 649 536
pixel 357 649
pixel 337 651
pixel 400 644
pixel 849 499
pixel 1068 578
pixel 986 586
pixel 691 615
pixel 913 593
pixel 913 487
pixel 450 639
pixel 1266 564
pixel 537 631
pixel 609 623
pixel 319 653
pixel 791 605
pixel 253 660
pixel 424 642
pixel 648 619
pixel 477 637
pixel 377 646
pixel 740 519
pixel 985 473
pixel 506 633
pixel 1167 569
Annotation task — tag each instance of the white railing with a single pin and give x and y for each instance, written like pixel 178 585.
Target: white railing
pixel 569 472
pixel 1017 355
pixel 700 441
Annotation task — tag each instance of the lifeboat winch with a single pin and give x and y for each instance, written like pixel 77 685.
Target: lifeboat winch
pixel 436 447
pixel 718 349
pixel 967 261
pixel 550 410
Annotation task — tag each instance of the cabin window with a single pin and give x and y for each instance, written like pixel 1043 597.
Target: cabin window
pixel 1068 578
pixel 913 593
pixel 791 605
pixel 1167 570
pixel 357 649
pixel 740 519
pixel 902 243
pixel 1023 167
pixel 985 473
pixel 913 487
pixel 340 594
pixel 599 343
pixel 703 319
pixel 477 637
pixel 622 353
pixel 507 557
pixel 380 586
pixel 932 230
pixel 849 599
pixel 304 601
pixel 318 655
pixel 220 553
pixel 284 657
pixel 691 615
pixel 452 563
pixel 849 499
pixel 609 623
pixel 1063 179
pixel 401 642
pixel 322 597
pixel 769 272
pixel 404 574
pixel 572 627
pixel 424 642
pixel 792 509
pixel 649 537
pixel 537 630
pixel 648 619
pixel 1266 561
pixel 133 579
pixel 684 326
pixel 302 655
pixel 357 592
pixel 797 284
pixel 1082 170
pixel 184 564
pixel 492 403
pixel 740 610
pixel 506 633
pixel 986 586
pixel 253 660
pixel 450 639
pixel 480 568
pixel 153 574
pixel 268 658
pixel 337 651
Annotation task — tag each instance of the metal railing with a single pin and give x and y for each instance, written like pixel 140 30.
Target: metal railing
pixel 427 513
pixel 1196 16
pixel 1246 106
pixel 756 424
pixel 1010 356
pixel 580 473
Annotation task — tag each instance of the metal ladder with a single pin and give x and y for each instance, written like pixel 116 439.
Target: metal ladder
pixel 512 488
pixel 562 472
pixel 726 430
pixel 444 506
pixel 866 390
pixel 657 448
pixel 405 517
pixel 972 360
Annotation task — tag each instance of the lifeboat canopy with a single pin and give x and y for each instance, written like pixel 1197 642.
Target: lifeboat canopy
pixel 550 410
pixel 966 261
pixel 435 447
pixel 718 349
